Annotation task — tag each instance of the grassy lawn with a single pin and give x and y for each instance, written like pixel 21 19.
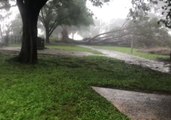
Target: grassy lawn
pixel 135 52
pixel 14 45
pixel 59 88
pixel 73 48
pixel 70 48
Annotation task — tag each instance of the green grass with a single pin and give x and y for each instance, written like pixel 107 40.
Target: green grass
pixel 59 88
pixel 71 48
pixel 135 52
pixel 14 45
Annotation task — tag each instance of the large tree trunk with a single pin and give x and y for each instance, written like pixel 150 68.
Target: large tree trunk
pixel 29 11
pixel 28 53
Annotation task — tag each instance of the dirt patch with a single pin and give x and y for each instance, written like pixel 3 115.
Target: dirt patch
pixel 138 106
pixel 160 51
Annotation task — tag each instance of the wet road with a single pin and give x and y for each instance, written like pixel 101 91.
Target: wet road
pixel 130 59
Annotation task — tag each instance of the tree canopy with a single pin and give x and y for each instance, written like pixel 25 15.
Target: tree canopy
pixel 143 7
pixel 56 13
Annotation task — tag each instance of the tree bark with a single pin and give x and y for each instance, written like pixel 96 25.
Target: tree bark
pixel 28 53
pixel 29 11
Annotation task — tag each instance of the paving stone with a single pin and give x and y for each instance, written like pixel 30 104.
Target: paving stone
pixel 137 105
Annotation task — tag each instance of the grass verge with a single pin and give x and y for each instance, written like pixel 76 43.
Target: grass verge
pixel 73 48
pixel 136 52
pixel 59 88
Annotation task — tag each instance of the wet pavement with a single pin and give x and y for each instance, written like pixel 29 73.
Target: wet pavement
pixel 130 59
pixel 138 106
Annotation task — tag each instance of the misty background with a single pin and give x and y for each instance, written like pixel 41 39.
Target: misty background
pixel 110 24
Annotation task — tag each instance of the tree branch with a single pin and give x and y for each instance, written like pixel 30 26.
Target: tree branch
pixel 55 24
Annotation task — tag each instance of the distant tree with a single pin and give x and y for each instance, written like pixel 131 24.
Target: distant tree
pixel 16 26
pixel 147 33
pixel 1 34
pixel 16 29
pixel 64 13
pixel 29 10
pixel 74 15
pixel 4 27
pixel 48 17
pixel 164 4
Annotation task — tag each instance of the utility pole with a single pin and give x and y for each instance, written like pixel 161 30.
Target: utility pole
pixel 132 44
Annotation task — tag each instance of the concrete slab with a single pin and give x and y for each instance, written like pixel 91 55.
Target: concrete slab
pixel 138 106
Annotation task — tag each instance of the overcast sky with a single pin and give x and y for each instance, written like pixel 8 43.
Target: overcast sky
pixel 115 9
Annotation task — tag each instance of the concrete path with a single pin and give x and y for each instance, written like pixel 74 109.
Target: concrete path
pixel 130 59
pixel 138 106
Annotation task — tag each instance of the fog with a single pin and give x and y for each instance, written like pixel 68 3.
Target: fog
pixel 112 16
pixel 59 58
